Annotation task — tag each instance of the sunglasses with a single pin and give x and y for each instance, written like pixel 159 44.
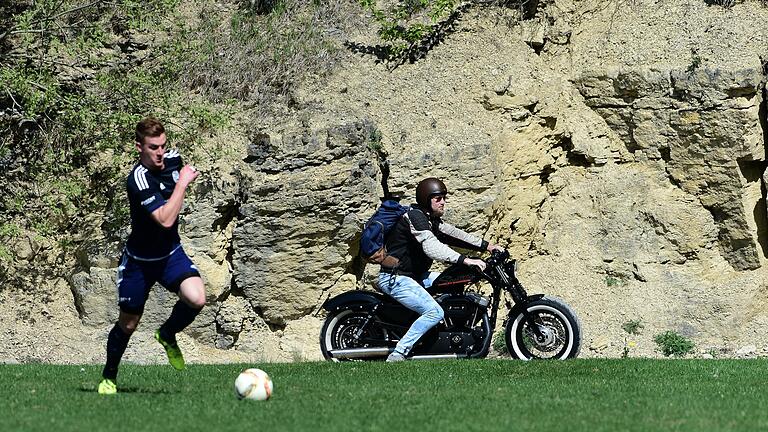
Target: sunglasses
pixel 439 198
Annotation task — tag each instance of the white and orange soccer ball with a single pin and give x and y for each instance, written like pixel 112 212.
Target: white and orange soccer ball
pixel 253 384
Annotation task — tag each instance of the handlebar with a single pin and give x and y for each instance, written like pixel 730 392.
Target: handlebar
pixel 497 257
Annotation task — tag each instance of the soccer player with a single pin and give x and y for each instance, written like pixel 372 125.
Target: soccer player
pixel 153 253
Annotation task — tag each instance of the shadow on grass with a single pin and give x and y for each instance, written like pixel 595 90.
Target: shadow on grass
pixel 138 390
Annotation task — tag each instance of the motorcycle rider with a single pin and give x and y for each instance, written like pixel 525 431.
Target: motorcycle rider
pixel 418 238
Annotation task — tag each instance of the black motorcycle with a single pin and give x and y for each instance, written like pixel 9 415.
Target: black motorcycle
pixel 367 325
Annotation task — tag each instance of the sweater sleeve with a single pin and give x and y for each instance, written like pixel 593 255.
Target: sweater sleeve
pixel 433 248
pixel 458 238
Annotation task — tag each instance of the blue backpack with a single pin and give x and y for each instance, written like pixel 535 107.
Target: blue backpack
pixel 373 238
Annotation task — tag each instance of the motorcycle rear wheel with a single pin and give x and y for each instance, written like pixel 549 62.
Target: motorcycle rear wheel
pixel 559 328
pixel 340 332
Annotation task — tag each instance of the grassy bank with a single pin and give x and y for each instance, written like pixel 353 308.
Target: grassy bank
pixel 630 394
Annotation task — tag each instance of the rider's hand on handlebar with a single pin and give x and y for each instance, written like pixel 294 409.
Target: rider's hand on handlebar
pixel 494 247
pixel 475 262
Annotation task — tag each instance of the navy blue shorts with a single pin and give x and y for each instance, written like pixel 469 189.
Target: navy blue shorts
pixel 135 278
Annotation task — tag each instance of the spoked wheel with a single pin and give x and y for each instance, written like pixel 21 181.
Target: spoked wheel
pixel 556 335
pixel 342 330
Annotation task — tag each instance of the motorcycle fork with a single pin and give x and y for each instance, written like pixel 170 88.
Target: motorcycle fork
pixel 530 319
pixel 520 296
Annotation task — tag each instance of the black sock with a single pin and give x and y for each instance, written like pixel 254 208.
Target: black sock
pixel 116 343
pixel 181 316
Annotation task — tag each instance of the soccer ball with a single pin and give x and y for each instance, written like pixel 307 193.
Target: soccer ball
pixel 253 384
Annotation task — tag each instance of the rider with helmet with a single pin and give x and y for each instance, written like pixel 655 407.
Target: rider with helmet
pixel 419 238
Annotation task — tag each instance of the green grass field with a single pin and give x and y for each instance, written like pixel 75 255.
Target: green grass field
pixel 487 395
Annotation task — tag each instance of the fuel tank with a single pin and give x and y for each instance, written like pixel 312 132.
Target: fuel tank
pixel 454 279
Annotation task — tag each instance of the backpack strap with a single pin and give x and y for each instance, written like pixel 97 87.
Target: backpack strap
pixel 386 260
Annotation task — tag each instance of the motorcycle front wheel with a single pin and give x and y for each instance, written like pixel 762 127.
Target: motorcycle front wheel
pixel 342 330
pixel 556 335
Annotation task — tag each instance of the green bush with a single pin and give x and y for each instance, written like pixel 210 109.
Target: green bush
pixel 633 327
pixel 58 119
pixel 406 24
pixel 673 344
pixel 410 28
pixel 499 343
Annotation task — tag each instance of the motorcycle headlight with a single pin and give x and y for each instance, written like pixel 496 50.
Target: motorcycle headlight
pixel 511 267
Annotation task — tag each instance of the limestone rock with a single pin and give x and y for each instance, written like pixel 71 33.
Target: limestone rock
pixel 25 249
pixel 746 350
pixel 533 33
pixel 688 120
pixel 600 344
pixel 300 339
pixel 234 311
pixel 298 227
pixel 96 296
pixel 203 328
pixel 257 339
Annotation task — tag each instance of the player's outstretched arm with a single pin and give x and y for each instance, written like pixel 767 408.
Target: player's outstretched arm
pixel 167 214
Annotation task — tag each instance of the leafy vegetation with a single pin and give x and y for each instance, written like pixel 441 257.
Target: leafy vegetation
pixel 407 23
pixel 410 28
pixel 673 344
pixel 633 327
pixel 696 61
pixel 499 343
pixel 495 395
pixel 260 51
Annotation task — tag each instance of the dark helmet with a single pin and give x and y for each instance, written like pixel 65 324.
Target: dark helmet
pixel 428 188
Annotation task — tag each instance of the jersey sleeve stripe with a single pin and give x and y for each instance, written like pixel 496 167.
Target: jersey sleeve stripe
pixel 140 177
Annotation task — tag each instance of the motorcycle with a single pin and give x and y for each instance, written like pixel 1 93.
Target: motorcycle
pixel 366 325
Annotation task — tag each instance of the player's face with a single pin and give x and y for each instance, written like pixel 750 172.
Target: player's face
pixel 438 205
pixel 151 152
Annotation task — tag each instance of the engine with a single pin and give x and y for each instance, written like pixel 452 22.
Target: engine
pixel 463 331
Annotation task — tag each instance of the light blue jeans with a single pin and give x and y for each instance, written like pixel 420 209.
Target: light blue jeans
pixel 413 296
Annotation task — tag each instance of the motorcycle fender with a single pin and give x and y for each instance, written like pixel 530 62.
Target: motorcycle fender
pixel 520 307
pixel 366 299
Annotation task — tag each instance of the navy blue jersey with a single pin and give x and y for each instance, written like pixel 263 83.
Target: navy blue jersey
pixel 147 192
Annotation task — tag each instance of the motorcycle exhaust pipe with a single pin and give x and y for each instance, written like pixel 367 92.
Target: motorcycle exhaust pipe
pixel 355 353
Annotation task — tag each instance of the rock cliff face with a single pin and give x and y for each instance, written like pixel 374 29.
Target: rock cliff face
pixel 703 124
pixel 625 142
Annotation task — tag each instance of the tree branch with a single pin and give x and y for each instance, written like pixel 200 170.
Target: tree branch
pixel 14 30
